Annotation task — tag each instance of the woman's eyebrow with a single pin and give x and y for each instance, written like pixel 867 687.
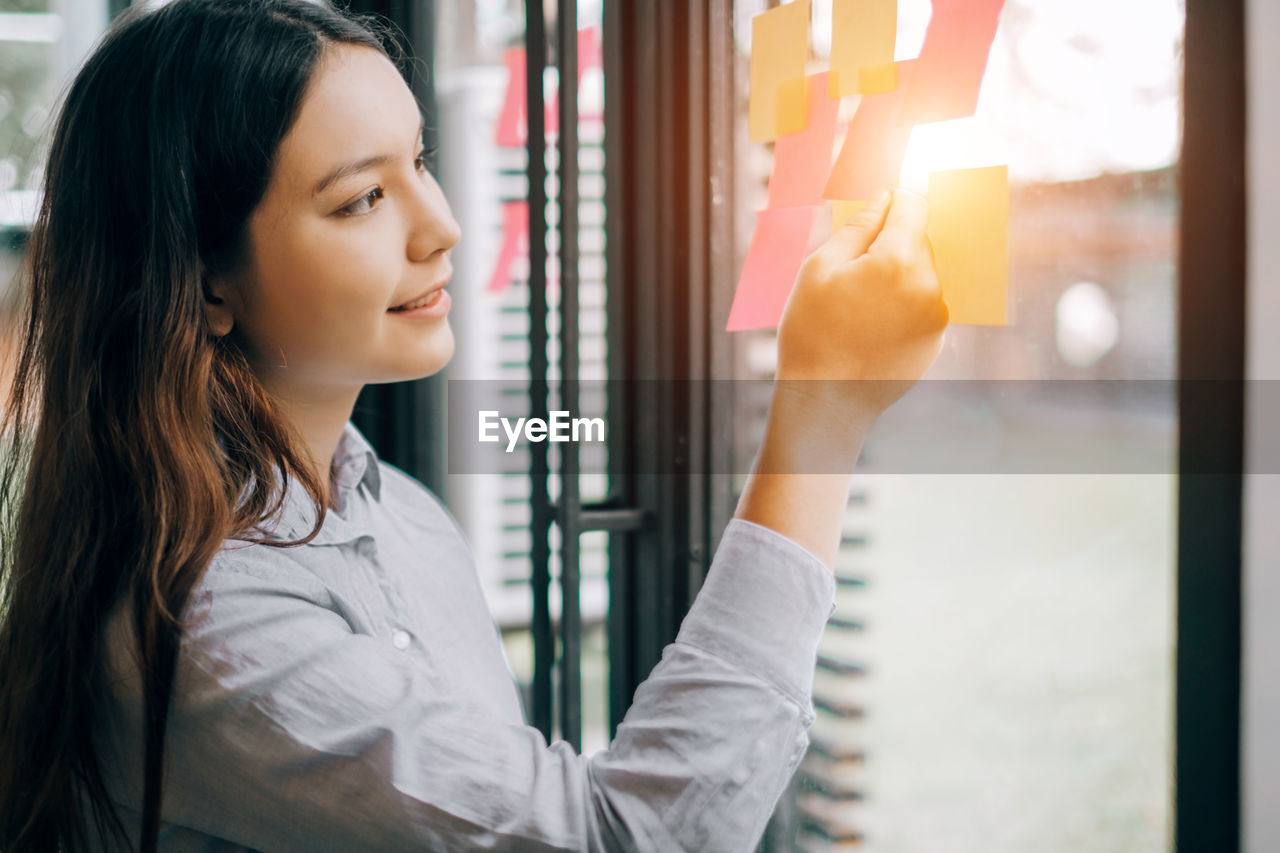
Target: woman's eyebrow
pixel 355 166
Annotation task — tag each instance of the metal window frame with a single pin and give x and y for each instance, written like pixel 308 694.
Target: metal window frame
pixel 669 197
pixel 1211 365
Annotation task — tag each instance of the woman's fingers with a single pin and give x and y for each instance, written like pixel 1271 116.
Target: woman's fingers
pixel 851 240
pixel 903 234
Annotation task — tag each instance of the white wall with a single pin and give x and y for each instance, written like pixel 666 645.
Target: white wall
pixel 1260 749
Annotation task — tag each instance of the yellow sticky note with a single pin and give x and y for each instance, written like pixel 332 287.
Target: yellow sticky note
pixel 969 231
pixel 863 36
pixel 842 210
pixel 779 53
pixel 793 111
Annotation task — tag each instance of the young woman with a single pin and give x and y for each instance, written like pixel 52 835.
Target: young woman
pixel 226 624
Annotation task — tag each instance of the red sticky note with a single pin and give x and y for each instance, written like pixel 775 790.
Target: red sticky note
pixel 952 61
pixel 778 248
pixel 515 243
pixel 874 145
pixel 802 161
pixel 511 125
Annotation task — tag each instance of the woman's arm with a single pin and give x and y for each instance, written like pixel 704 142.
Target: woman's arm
pixel 290 731
pixel 863 323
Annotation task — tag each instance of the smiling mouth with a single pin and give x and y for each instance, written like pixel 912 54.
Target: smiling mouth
pixel 422 301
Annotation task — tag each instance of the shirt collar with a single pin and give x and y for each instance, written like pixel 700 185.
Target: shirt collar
pixel 354 463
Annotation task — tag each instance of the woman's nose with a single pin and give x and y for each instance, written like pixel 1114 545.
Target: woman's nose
pixel 433 228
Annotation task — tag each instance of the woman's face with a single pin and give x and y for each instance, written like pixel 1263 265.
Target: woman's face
pixel 330 258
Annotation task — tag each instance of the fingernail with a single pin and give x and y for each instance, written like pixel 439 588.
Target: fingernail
pixel 882 197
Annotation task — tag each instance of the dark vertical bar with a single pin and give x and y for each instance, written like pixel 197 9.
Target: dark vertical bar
pixel 424 438
pixel 671 321
pixel 657 278
pixel 405 421
pixel 644 273
pixel 1211 359
pixel 569 504
pixel 721 99
pixel 699 297
pixel 618 42
pixel 540 503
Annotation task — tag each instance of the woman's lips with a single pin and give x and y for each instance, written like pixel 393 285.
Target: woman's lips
pixel 421 296
pixel 437 307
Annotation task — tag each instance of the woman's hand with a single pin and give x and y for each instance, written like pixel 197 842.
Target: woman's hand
pixel 863 323
pixel 866 313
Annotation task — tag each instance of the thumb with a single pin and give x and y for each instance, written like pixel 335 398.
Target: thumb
pixel 852 239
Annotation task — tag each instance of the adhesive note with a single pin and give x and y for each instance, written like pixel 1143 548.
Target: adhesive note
pixel 801 161
pixel 777 250
pixel 874 146
pixel 969 231
pixel 952 62
pixel 779 52
pixel 515 243
pixel 842 211
pixel 863 36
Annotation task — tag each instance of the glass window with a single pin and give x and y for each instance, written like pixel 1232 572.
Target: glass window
pixel 998 674
pixel 479 88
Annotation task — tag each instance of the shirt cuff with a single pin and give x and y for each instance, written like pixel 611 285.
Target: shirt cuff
pixel 763 606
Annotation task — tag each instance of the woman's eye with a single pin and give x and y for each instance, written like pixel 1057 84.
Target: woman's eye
pixel 364 204
pixel 358 206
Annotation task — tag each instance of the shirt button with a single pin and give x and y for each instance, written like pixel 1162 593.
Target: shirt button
pixel 400 639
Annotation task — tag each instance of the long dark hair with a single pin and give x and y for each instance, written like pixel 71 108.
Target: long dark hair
pixel 134 439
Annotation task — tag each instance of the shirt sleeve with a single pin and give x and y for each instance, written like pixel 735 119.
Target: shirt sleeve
pixel 291 732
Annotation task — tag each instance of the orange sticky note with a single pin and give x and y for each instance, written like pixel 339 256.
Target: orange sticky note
pixel 874 146
pixel 777 250
pixel 802 161
pixel 952 62
pixel 969 231
pixel 841 211
pixel 779 51
pixel 863 36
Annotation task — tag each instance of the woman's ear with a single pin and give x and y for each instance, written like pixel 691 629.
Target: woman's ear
pixel 217 303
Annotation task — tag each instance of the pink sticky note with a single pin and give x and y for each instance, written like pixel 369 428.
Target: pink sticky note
pixel 515 243
pixel 952 61
pixel 777 250
pixel 874 145
pixel 801 161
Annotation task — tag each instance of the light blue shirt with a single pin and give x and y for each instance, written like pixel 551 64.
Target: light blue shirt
pixel 352 694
